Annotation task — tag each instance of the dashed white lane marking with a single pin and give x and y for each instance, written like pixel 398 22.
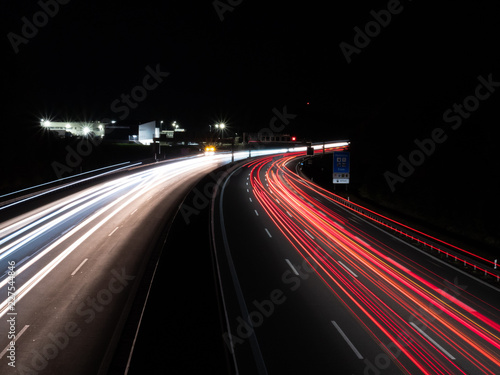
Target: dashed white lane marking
pixel 80 266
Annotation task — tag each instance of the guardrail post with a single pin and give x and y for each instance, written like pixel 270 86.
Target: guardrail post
pixel 495 265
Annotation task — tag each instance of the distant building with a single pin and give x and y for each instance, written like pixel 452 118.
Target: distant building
pixel 147 132
pixel 75 129
pixel 153 130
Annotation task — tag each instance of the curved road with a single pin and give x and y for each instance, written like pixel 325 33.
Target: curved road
pixel 76 261
pixel 310 286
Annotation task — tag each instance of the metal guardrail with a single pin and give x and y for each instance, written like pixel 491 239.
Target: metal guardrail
pixel 15 197
pixel 480 266
pixel 487 269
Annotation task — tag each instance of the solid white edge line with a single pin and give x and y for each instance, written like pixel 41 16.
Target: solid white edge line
pixel 15 339
pixel 358 354
pixel 432 340
pixel 292 267
pixel 347 268
pixel 80 266
pixel 261 366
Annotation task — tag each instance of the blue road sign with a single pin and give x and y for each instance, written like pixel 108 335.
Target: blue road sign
pixel 341 167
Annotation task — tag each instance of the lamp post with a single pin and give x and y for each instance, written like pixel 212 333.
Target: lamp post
pixel 235 135
pixel 219 128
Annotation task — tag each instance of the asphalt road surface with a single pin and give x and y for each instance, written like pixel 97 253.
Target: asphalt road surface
pixel 72 260
pixel 311 287
pixel 71 263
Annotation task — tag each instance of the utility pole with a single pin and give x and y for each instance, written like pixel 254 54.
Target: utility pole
pixel 232 149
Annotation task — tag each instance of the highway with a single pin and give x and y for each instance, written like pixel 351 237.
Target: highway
pixel 309 286
pixel 76 258
pixel 73 256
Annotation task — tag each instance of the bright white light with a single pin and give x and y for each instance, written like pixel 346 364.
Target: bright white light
pixel 134 187
pixel 86 130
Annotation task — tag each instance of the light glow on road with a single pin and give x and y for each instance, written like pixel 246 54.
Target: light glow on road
pixel 72 241
pixel 32 239
pixel 435 327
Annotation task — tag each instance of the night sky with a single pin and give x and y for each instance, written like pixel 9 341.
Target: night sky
pixel 237 61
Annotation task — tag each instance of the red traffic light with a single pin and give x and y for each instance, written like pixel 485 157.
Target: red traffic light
pixel 294 138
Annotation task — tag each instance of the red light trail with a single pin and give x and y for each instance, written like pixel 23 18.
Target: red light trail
pixel 395 298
